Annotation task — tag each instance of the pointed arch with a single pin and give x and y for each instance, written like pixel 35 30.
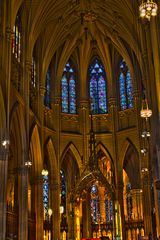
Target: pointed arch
pixel 68 88
pixel 125 86
pixel 17 37
pixel 97 86
pixel 54 171
pixel 72 148
pixel 47 96
pixel 17 129
pixel 129 161
pixel 35 151
pixel 2 116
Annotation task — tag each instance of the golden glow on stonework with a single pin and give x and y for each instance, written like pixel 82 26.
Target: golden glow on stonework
pixel 148 9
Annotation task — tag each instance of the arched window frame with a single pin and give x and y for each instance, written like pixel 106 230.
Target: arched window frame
pixel 109 210
pixel 63 190
pixel 45 176
pixel 97 87
pixel 17 38
pixel 34 73
pixel 68 89
pixel 125 87
pixel 95 205
pixel 47 97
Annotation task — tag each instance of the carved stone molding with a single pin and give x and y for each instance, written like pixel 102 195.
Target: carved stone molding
pixel 84 105
pixel 9 34
pixel 112 102
pixel 23 170
pixel 37 180
pixel 73 118
pixel 57 100
pixel 157 184
pixel 28 65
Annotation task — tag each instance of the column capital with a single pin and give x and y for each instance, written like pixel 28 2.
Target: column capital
pixel 4 152
pixel 55 186
pixel 84 105
pixel 37 180
pixel 57 100
pixel 9 34
pixel 23 170
pixel 42 90
pixel 28 64
pixel 136 93
pixel 112 102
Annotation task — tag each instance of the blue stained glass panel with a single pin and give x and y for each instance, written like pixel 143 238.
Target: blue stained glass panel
pixel 97 87
pixel 109 210
pixel 47 99
pixel 72 100
pixel 68 90
pixel 63 190
pixel 125 87
pixel 16 41
pixel 64 94
pixel 45 195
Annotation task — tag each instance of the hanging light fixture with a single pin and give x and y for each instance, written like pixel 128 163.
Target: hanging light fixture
pixel 145 111
pixel 28 163
pixel 147 9
pixel 44 172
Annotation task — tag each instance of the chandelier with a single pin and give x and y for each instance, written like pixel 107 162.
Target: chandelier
pixel 145 111
pixel 147 9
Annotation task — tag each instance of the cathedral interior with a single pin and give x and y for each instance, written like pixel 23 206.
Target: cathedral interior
pixel 79 121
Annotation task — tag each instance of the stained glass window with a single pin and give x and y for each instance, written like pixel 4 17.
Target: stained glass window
pixel 68 88
pixel 63 191
pixel 45 195
pixel 109 210
pixel 16 41
pixel 34 73
pixel 97 87
pixel 47 97
pixel 95 207
pixel 125 87
pixel 129 201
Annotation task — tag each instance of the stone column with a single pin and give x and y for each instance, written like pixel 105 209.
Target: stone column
pixel 55 206
pixel 101 191
pixel 23 203
pixel 147 203
pixel 84 110
pixel 156 56
pixel 117 221
pixel 119 205
pixel 86 217
pixel 77 220
pixel 3 189
pixel 38 185
pixel 137 204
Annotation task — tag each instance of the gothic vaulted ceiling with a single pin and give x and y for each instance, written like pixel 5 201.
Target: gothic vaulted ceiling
pixel 59 24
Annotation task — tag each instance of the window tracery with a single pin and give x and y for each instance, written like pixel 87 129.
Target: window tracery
pixel 16 41
pixel 63 190
pixel 47 97
pixel 97 87
pixel 34 73
pixel 45 194
pixel 95 207
pixel 68 89
pixel 125 87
